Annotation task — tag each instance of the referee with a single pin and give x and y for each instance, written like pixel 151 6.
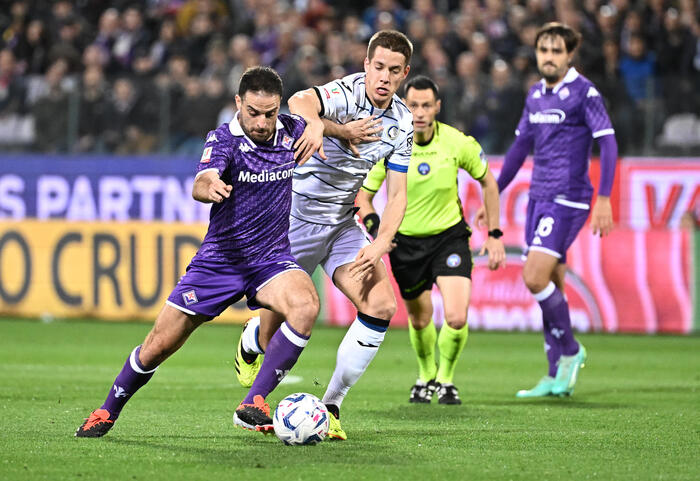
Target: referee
pixel 432 244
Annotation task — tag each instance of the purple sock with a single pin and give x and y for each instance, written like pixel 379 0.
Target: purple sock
pixel 556 310
pixel 132 376
pixel 551 347
pixel 281 354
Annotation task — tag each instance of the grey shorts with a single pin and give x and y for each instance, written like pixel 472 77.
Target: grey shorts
pixel 329 246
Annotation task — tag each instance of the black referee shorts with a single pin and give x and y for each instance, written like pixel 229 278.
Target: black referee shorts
pixel 417 261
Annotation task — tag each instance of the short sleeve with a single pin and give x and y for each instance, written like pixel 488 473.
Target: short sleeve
pixel 336 99
pixel 214 156
pixel 298 125
pixel 596 115
pixel 375 178
pixel 400 157
pixel 472 157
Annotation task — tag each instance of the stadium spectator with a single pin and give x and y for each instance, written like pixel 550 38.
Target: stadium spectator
pixel 12 88
pixel 273 31
pixel 51 111
pixel 468 116
pixel 33 51
pixel 94 111
pixel 132 36
pixel 497 107
pixel 130 127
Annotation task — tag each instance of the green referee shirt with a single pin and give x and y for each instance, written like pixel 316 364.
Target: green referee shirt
pixel 433 204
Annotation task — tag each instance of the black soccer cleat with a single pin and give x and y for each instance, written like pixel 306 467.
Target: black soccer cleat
pixel 95 426
pixel 422 392
pixel 254 417
pixel 448 394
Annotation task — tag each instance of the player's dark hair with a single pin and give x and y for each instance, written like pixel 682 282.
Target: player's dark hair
pixel 260 79
pixel 421 82
pixel 392 40
pixel 571 37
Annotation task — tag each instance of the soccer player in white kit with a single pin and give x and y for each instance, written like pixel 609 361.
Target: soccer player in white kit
pixel 363 122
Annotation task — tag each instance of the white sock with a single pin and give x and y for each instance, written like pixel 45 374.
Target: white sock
pixel 250 337
pixel 356 351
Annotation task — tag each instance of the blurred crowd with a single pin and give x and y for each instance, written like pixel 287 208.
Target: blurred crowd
pixel 155 76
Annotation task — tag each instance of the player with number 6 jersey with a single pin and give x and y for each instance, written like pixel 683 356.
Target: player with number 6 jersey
pixel 563 113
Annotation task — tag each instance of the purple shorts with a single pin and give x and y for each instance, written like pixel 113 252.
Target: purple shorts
pixel 208 287
pixel 552 227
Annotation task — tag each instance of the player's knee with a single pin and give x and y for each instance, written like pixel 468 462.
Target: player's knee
pixel 382 308
pixel 304 308
pixel 456 319
pixel 533 281
pixel 154 351
pixel 419 322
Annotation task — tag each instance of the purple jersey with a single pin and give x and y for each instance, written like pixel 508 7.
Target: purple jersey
pixel 561 122
pixel 252 225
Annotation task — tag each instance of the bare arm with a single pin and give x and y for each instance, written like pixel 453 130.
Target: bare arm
pixel 364 202
pixel 395 207
pixel 496 251
pixel 394 211
pixel 208 188
pixel 307 105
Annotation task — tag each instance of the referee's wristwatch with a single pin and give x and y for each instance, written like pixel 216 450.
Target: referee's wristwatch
pixel 496 233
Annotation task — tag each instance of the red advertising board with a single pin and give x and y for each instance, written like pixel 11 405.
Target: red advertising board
pixel 638 279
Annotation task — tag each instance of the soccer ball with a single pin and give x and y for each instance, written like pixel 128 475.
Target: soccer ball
pixel 301 418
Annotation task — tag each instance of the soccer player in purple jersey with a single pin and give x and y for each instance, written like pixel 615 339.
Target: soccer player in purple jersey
pixel 562 114
pixel 246 172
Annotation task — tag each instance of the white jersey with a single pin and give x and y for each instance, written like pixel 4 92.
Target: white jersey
pixel 324 191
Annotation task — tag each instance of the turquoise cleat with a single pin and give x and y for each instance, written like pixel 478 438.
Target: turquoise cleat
pixel 542 389
pixel 567 372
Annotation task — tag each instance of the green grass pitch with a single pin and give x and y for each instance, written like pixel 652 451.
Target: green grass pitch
pixel 635 414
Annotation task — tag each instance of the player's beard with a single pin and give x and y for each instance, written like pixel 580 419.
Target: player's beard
pixel 550 79
pixel 258 136
pixel 554 76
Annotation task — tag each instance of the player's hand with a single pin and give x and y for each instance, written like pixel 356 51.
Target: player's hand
pixel 218 190
pixel 363 131
pixel 368 257
pixel 310 141
pixel 602 218
pixel 480 219
pixel 351 147
pixel 496 251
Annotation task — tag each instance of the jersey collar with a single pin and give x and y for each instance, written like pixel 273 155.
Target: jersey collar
pixel 237 131
pixel 570 76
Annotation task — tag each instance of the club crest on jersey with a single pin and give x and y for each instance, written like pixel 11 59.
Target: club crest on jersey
pixel 423 168
pixel 206 156
pixel 287 142
pixel 189 297
pixel 392 132
pixel 563 93
pixel 453 260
